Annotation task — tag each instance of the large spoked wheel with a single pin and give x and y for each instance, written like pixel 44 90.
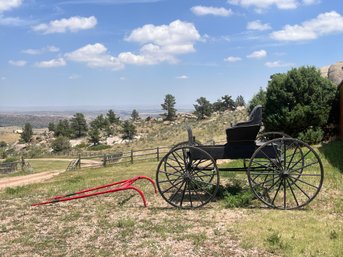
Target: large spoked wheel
pixel 285 173
pixel 187 177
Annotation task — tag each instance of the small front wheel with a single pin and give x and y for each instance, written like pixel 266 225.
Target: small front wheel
pixel 187 177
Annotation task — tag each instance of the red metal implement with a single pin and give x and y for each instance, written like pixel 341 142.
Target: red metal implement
pixel 120 186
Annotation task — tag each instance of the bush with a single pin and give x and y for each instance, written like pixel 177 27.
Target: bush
pixel 312 136
pixel 98 147
pixel 3 144
pixel 61 144
pixel 298 101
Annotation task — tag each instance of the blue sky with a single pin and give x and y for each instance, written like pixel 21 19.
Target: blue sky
pixel 134 52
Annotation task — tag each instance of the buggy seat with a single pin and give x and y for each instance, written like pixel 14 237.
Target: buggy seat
pixel 246 131
pixel 241 137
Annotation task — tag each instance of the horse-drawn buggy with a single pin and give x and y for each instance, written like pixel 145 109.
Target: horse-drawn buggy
pixel 283 172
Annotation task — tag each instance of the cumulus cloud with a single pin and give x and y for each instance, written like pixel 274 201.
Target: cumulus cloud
pixel 53 63
pixel 6 5
pixel 209 10
pixel 18 63
pixel 161 43
pixel 278 64
pixel 73 24
pixel 258 25
pixel 324 24
pixel 37 51
pixel 182 77
pixel 261 5
pixel 94 56
pixel 233 59
pixel 257 54
pixel 157 44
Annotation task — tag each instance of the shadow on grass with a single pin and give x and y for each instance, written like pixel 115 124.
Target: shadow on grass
pixel 333 152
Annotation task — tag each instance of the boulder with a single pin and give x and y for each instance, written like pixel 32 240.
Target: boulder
pixel 335 73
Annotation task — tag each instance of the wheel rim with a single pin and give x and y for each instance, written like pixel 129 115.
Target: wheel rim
pixel 187 177
pixel 285 173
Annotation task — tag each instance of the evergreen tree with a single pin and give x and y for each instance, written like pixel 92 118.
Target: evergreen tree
pixel 228 103
pixel 63 128
pixel 129 130
pixel 168 105
pixel 100 122
pixel 218 106
pixel 134 115
pixel 258 99
pixel 112 117
pixel 203 108
pixel 239 101
pixel 298 102
pixel 27 133
pixel 94 135
pixel 79 125
pixel 51 127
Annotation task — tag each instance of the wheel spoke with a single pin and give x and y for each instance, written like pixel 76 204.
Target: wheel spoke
pixel 170 174
pixel 178 190
pixel 174 168
pixel 300 180
pixel 299 188
pixel 303 157
pixel 295 198
pixel 183 194
pixel 173 186
pixel 190 195
pixel 284 194
pixel 295 150
pixel 303 167
pixel 277 191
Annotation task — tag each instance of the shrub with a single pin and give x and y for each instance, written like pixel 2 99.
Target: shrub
pixel 98 147
pixel 3 144
pixel 297 101
pixel 312 136
pixel 61 144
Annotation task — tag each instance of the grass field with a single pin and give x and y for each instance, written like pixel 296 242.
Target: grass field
pixel 119 225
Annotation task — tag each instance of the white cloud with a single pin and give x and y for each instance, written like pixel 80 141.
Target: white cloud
pixel 233 59
pixel 311 2
pixel 324 24
pixel 95 56
pixel 209 10
pixel 6 5
pixel 37 51
pixel 182 77
pixel 258 25
pixel 261 5
pixel 122 78
pixel 3 78
pixel 11 21
pixel 18 63
pixel 161 43
pixel 257 54
pixel 278 64
pixel 53 63
pixel 158 44
pixel 73 24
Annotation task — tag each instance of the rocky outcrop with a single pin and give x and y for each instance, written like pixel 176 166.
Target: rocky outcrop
pixel 333 72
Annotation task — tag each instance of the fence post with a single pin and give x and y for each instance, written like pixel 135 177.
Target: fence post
pixel 22 163
pixel 105 160
pixel 158 154
pixel 131 156
pixel 79 161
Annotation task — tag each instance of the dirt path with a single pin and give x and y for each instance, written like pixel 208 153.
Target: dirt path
pixel 28 179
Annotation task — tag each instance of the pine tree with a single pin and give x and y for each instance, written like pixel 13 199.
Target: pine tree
pixel 112 117
pixel 134 115
pixel 168 105
pixel 203 108
pixel 78 125
pixel 129 130
pixel 27 133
